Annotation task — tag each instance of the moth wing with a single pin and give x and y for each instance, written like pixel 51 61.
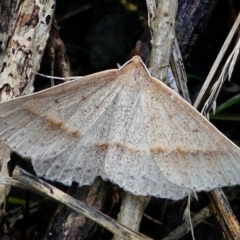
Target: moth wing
pixel 128 161
pixel 44 125
pixel 187 148
pixel 125 126
pixel 77 131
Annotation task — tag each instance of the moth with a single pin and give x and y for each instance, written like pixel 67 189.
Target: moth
pixel 122 125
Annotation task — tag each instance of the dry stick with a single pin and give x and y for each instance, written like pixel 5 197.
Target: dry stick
pixel 132 209
pixel 226 218
pixel 162 19
pixel 184 228
pixel 163 34
pixel 217 62
pixel 27 181
pixel 131 212
pixel 179 72
pixel 57 53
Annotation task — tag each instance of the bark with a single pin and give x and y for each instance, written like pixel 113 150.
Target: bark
pixel 192 18
pixel 162 24
pixel 69 224
pixel 225 216
pixel 131 212
pixel 23 46
pixel 4 189
pixel 24 31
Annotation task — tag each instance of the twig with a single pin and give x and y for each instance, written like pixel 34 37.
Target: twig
pixel 179 72
pixel 184 228
pixel 162 25
pixel 225 215
pixel 27 181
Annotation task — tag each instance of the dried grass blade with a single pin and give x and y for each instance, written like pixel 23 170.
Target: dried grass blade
pixel 226 72
pixel 179 72
pixel 217 62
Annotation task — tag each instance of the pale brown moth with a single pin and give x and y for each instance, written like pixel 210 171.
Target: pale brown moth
pixel 122 125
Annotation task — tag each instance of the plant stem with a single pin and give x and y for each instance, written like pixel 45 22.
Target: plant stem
pixel 131 211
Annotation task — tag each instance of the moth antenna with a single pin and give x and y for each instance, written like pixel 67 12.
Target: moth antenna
pixel 59 78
